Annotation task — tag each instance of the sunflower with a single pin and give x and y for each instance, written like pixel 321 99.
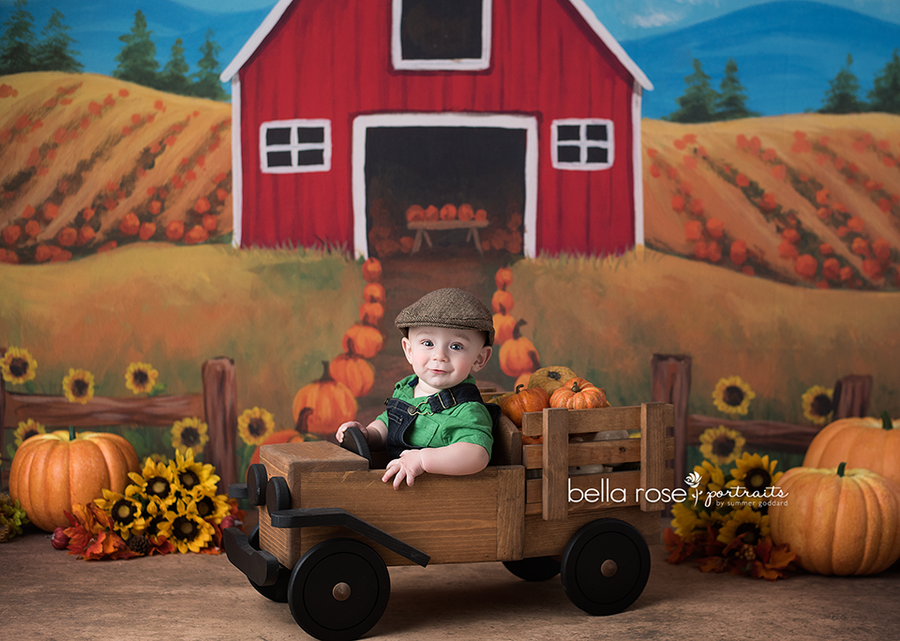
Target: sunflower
pixel 140 378
pixel 747 521
pixel 18 366
pixel 817 404
pixel 210 505
pixel 190 532
pixel 78 386
pixel 712 479
pixel 754 473
pixel 255 426
pixel 27 429
pixel 721 445
pixel 156 481
pixel 190 474
pixel 159 519
pixel 685 521
pixel 733 396
pixel 124 512
pixel 189 433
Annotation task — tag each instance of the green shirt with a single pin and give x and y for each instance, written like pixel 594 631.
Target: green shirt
pixel 464 423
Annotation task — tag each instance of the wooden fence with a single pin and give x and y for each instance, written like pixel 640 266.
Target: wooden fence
pixel 671 383
pixel 217 406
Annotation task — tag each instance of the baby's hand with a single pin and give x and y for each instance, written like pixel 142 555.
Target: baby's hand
pixel 344 426
pixel 408 467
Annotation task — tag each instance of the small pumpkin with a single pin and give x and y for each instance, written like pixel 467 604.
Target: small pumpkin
pixel 331 402
pixel 518 355
pixel 503 327
pixel 465 212
pixel 502 299
pixel 52 472
pixel 872 443
pixel 480 214
pixel 523 400
pixel 432 213
pixel 550 378
pixel 838 521
pixel 354 371
pixel 371 313
pixel 578 394
pixel 448 212
pixel 503 278
pixel 371 270
pixel 364 340
pixel 374 293
pixel 414 213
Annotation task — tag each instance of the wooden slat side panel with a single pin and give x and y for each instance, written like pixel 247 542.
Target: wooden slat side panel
pixel 549 538
pixel 555 463
pixel 57 411
pixel 592 420
pixel 510 513
pixel 594 453
pixel 653 460
pixel 507 443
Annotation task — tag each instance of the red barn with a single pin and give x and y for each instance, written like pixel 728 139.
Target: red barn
pixel 352 117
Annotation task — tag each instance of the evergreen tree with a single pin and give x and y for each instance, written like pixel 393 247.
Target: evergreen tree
pixel 137 59
pixel 174 75
pixel 885 95
pixel 54 52
pixel 732 102
pixel 699 99
pixel 842 95
pixel 206 80
pixel 17 46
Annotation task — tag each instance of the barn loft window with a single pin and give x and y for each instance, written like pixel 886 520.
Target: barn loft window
pixel 582 144
pixel 441 34
pixel 295 146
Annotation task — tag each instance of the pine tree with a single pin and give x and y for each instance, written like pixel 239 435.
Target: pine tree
pixel 732 102
pixel 842 95
pixel 17 46
pixel 885 95
pixel 54 52
pixel 699 99
pixel 206 79
pixel 137 59
pixel 174 75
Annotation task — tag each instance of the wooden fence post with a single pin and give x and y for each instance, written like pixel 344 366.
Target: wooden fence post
pixel 851 396
pixel 220 404
pixel 671 383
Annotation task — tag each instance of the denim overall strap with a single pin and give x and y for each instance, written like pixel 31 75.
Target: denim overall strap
pixel 401 415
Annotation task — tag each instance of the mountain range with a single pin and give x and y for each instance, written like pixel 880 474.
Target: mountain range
pixel 786 52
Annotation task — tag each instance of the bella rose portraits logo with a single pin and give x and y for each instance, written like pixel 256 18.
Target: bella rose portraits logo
pixel 735 496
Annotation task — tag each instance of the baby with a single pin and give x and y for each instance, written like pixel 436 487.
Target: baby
pixel 435 421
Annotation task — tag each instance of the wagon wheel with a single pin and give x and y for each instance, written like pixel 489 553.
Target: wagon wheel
pixel 338 590
pixel 539 568
pixel 605 566
pixel 278 591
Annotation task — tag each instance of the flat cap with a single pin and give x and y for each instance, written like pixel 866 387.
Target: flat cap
pixel 449 308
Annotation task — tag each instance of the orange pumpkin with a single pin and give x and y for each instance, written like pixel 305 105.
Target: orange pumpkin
pixel 371 270
pixel 297 435
pixel 503 278
pixel 523 400
pixel 578 394
pixel 354 371
pixel 414 213
pixel 872 443
pixel 331 403
pixel 371 313
pixel 52 472
pixel 503 326
pixel 432 213
pixel 838 521
pixel 448 212
pixel 518 355
pixel 465 212
pixel 502 299
pixel 480 214
pixel 364 340
pixel 374 293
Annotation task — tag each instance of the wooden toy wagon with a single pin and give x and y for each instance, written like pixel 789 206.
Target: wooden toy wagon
pixel 328 526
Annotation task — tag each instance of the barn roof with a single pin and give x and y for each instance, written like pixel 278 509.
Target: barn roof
pixel 596 26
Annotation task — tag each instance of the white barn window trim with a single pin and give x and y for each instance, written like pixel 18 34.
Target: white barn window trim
pixel 582 144
pixel 466 62
pixel 295 146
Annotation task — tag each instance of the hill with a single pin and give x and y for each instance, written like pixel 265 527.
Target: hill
pixel 786 52
pixel 91 163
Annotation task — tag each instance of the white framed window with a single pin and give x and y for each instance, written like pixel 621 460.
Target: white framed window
pixel 441 34
pixel 582 144
pixel 295 146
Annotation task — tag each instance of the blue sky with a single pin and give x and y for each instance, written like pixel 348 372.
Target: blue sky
pixel 97 24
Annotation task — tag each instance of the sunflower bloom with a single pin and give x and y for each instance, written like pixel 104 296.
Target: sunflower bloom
pixel 721 445
pixel 189 433
pixel 156 481
pixel 124 512
pixel 191 474
pixel 747 521
pixel 78 386
pixel 733 396
pixel 159 519
pixel 190 532
pixel 141 378
pixel 685 521
pixel 27 429
pixel 817 404
pixel 255 426
pixel 18 366
pixel 210 506
pixel 754 473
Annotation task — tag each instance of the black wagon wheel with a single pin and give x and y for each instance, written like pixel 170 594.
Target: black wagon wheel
pixel 605 566
pixel 539 568
pixel 338 590
pixel 278 591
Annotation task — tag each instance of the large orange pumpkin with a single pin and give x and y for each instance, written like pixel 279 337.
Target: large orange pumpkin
pixel 523 400
pixel 331 402
pixel 52 472
pixel 872 443
pixel 838 521
pixel 578 394
pixel 518 355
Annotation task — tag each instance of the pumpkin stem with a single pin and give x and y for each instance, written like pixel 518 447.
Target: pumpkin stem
pixel 575 387
pixel 71 433
pixel 517 331
pixel 303 419
pixel 350 346
pixel 886 422
pixel 840 469
pixel 326 375
pixel 519 387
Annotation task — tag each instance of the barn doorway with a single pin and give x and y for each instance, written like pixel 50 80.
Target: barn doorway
pixel 432 185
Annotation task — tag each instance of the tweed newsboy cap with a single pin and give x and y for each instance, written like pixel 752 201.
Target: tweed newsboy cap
pixel 449 308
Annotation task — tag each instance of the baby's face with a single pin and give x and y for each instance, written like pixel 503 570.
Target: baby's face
pixel 442 358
